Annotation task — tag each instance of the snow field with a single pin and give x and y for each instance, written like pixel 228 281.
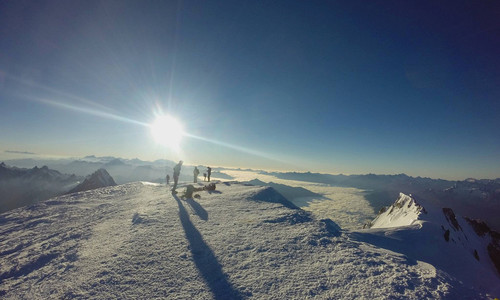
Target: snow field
pixel 138 241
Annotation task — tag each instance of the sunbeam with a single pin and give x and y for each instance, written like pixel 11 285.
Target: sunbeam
pixel 238 148
pixel 58 92
pixel 86 110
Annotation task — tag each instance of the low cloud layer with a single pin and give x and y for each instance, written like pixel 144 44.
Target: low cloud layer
pixel 19 152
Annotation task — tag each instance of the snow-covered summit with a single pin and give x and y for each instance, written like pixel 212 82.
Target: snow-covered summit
pixel 404 212
pixel 139 241
pixel 98 179
pixel 466 248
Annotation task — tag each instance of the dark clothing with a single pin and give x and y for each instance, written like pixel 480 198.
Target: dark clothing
pixel 177 172
pixel 209 171
pixel 168 179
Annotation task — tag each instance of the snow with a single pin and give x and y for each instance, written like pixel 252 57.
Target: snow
pixel 348 206
pixel 404 212
pixel 427 233
pixel 138 241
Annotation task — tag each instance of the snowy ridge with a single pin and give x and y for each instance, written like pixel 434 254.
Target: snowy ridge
pixel 439 237
pixel 98 179
pixel 139 241
pixel 404 212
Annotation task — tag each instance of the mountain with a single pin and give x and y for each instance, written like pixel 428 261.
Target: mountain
pixel 98 179
pixel 137 240
pixel 20 186
pixel 122 170
pixel 115 162
pixel 369 181
pixel 467 249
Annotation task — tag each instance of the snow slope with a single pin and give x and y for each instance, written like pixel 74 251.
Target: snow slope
pixel 138 241
pixel 439 237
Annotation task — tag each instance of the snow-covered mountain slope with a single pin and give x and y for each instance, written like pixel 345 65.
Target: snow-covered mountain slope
pixel 404 212
pixel 439 237
pixel 138 241
pixel 98 179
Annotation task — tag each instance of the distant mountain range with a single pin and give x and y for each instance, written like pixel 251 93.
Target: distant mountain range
pixel 476 198
pixel 122 170
pixel 26 183
pixel 471 197
pixel 20 186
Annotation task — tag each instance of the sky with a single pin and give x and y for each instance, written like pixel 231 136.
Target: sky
pixel 348 87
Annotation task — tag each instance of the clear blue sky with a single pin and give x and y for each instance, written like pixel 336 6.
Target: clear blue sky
pixel 326 86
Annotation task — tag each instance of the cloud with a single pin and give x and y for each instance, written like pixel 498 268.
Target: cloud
pixel 19 152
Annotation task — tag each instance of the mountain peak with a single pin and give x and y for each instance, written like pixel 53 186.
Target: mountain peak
pixel 404 212
pixel 98 179
pixel 440 236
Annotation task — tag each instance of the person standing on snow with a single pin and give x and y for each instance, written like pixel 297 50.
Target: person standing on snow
pixel 177 172
pixel 196 172
pixel 209 171
pixel 168 179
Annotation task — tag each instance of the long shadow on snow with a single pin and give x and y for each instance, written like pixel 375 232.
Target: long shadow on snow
pixel 205 260
pixel 198 209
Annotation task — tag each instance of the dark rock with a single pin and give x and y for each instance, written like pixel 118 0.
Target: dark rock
pixel 479 226
pixel 98 179
pixel 494 252
pixel 447 235
pixel 476 255
pixel 450 216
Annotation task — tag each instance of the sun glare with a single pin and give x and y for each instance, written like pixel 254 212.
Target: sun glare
pixel 167 131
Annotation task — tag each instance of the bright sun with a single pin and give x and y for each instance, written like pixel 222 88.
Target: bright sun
pixel 167 131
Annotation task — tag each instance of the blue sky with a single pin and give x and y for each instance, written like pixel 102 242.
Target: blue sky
pixel 328 86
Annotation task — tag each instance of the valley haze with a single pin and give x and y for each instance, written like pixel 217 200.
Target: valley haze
pixel 353 199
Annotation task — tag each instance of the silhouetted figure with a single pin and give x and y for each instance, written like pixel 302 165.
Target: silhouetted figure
pixel 204 176
pixel 209 172
pixel 196 172
pixel 177 172
pixel 168 179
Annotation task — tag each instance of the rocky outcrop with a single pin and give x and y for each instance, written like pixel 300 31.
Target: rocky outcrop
pixel 483 230
pixel 98 179
pixel 465 235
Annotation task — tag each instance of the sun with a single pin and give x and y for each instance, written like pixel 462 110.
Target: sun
pixel 167 131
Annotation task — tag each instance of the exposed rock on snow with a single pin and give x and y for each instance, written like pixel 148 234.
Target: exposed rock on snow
pixel 98 179
pixel 404 212
pixel 483 230
pixel 467 249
